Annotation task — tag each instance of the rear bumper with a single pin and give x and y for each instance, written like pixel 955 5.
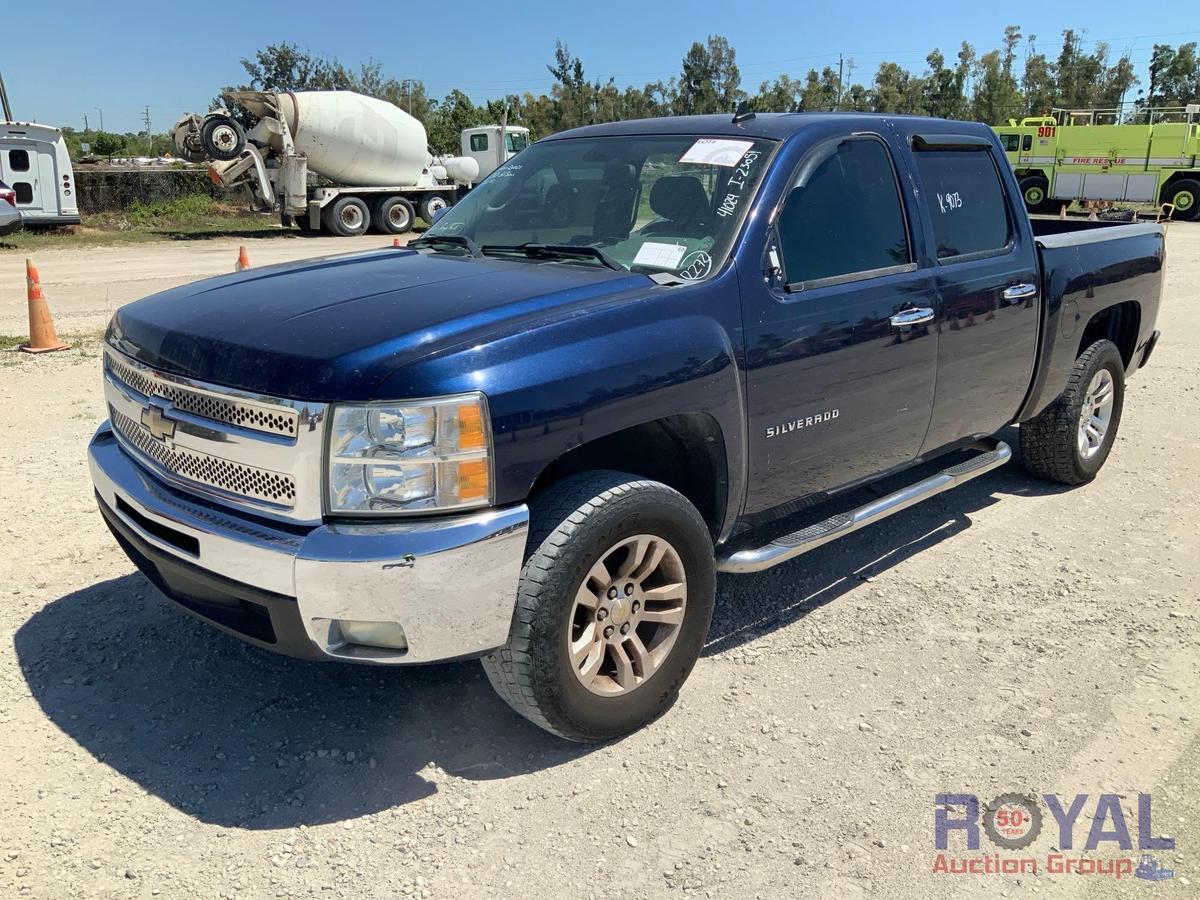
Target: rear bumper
pixel 450 582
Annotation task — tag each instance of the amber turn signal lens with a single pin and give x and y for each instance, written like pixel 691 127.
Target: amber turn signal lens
pixel 470 427
pixel 473 479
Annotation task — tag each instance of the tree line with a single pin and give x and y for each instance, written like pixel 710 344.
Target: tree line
pixel 1015 79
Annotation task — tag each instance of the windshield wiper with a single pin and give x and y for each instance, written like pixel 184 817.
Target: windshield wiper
pixel 560 251
pixel 453 240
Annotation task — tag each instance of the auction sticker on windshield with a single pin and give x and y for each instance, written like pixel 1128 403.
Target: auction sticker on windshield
pixel 716 152
pixel 652 253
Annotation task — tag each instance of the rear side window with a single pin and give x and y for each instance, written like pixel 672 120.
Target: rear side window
pixel 845 218
pixel 24 191
pixel 965 200
pixel 479 142
pixel 18 160
pixel 1027 142
pixel 1011 142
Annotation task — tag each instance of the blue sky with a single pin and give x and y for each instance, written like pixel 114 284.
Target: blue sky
pixel 66 59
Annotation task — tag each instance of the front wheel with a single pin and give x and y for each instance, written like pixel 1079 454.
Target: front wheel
pixel 1035 190
pixel 431 206
pixel 1070 439
pixel 614 603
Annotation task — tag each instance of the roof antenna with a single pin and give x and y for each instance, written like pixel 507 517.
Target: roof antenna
pixel 743 114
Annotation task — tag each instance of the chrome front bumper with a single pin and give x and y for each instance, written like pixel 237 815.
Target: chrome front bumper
pixel 450 582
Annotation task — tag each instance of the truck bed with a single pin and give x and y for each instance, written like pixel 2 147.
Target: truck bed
pixel 1087 267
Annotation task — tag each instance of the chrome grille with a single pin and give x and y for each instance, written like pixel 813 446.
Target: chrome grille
pixel 233 477
pixel 239 412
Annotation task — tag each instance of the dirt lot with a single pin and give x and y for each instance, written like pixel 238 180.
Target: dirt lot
pixel 1010 636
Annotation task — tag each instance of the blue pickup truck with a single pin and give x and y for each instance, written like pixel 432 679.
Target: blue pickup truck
pixel 636 355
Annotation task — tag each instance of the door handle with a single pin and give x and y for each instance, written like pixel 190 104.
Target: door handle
pixel 1020 291
pixel 913 316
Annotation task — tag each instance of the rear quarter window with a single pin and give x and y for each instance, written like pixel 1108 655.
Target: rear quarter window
pixel 965 201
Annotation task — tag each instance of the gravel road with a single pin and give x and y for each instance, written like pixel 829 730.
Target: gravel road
pixel 1008 636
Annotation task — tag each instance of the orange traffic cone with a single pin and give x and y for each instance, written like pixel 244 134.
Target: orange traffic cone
pixel 395 242
pixel 243 260
pixel 42 336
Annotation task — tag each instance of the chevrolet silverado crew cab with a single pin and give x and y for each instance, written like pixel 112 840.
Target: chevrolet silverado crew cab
pixel 636 355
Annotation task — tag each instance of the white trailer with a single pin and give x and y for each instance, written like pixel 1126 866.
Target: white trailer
pixel 371 159
pixel 34 162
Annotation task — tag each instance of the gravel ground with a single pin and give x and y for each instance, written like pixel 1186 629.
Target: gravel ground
pixel 1008 636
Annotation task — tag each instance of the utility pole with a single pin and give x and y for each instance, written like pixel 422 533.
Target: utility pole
pixel 101 118
pixel 86 130
pixel 149 138
pixel 841 66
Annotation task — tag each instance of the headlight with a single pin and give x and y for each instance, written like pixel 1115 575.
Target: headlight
pixel 425 456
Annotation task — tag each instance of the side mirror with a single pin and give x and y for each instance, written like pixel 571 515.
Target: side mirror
pixel 438 213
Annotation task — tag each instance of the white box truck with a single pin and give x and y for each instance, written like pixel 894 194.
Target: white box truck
pixel 34 162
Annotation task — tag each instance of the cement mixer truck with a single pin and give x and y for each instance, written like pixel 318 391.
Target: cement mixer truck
pixel 370 160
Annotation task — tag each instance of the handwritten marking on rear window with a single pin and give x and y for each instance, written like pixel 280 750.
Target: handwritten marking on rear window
pixel 949 201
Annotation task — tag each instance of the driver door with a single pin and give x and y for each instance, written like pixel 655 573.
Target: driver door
pixel 841 338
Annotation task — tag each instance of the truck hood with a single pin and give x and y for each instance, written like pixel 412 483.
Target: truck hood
pixel 333 328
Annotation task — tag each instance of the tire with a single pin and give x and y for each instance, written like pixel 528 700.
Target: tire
pixel 393 215
pixel 222 137
pixel 1185 195
pixel 301 222
pixel 431 204
pixel 1052 445
pixel 574 526
pixel 1035 191
pixel 346 217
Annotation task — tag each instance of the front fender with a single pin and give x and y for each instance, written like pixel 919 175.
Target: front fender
pixel 572 380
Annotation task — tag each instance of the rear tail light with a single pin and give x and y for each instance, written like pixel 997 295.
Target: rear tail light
pixel 9 196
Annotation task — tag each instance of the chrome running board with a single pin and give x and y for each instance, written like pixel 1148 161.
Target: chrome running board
pixel 792 545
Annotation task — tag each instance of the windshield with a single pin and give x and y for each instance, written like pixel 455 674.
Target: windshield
pixel 658 203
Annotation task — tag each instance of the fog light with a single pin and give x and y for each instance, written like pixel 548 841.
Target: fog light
pixel 373 634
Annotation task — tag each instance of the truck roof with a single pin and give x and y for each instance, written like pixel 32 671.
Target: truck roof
pixel 775 126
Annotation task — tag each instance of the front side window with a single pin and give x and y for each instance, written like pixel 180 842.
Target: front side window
pixel 844 217
pixel 965 200
pixel 1012 142
pixel 1027 143
pixel 515 141
pixel 18 160
pixel 479 141
pixel 649 203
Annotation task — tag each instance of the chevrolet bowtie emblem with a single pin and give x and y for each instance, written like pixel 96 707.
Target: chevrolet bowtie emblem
pixel 156 422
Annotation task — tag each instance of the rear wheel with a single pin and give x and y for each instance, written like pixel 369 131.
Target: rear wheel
pixel 1035 190
pixel 222 137
pixel 393 215
pixel 1070 439
pixel 346 217
pixel 615 600
pixel 1184 195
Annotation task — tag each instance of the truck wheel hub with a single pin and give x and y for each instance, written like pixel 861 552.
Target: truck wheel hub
pixel 1096 414
pixel 627 614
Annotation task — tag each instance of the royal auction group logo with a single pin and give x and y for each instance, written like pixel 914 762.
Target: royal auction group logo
pixel 1013 821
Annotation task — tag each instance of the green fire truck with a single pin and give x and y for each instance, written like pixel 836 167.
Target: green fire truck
pixel 1098 155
